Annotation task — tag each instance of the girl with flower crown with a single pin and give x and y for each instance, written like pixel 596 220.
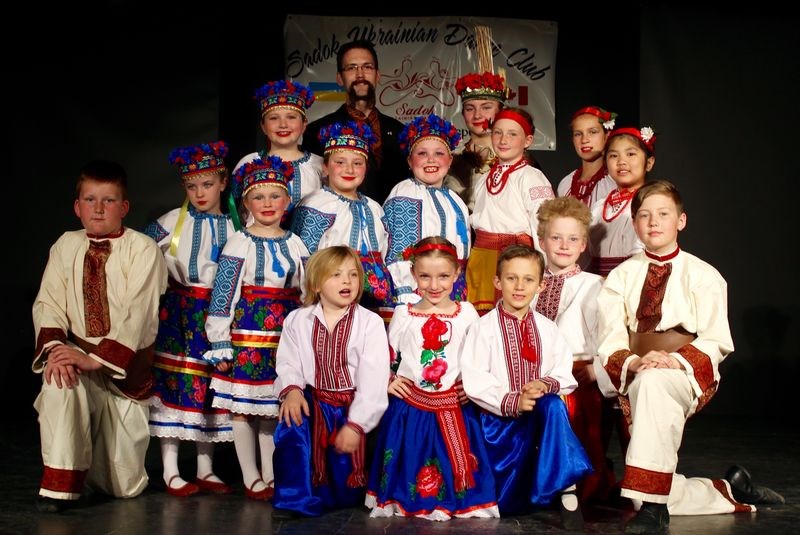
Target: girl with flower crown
pixel 630 155
pixel 191 238
pixel 422 206
pixel 257 285
pixel 506 201
pixel 430 459
pixel 338 214
pixel 482 97
pixel 283 106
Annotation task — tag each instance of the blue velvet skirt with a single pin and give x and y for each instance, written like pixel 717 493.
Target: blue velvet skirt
pixel 293 460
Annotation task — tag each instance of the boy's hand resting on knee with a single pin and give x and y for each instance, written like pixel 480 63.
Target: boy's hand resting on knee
pixel 347 440
pixel 65 363
pixel 293 407
pixel 530 393
pixel 654 359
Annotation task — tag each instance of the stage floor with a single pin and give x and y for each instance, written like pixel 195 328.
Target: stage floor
pixel 711 444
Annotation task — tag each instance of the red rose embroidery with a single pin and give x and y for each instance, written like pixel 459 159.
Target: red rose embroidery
pixel 429 481
pixel 163 314
pixel 435 371
pixel 433 329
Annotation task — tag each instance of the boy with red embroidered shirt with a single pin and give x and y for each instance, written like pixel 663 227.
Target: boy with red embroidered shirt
pixel 515 364
pixel 333 369
pixel 569 298
pixel 506 202
pixel 96 318
pixel 664 360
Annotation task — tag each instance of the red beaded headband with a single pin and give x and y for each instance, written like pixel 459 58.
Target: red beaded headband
pixel 527 127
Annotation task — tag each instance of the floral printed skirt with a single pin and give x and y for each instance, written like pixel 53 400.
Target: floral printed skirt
pixel 257 324
pixel 378 293
pixel 411 473
pixel 181 406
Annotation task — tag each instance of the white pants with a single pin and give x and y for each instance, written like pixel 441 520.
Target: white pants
pixel 660 402
pixel 91 433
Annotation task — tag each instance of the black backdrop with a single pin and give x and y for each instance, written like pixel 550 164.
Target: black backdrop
pixel 130 82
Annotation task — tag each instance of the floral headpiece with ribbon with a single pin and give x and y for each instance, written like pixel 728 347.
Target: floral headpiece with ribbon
pixel 198 159
pixel 424 127
pixel 488 86
pixel 644 134
pixel 284 94
pixel 353 136
pixel 607 118
pixel 271 171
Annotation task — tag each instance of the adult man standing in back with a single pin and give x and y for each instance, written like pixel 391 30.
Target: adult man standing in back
pixel 357 71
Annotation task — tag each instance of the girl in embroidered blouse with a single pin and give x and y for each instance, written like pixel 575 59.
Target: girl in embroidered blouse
pixel 590 127
pixel 422 205
pixel 506 202
pixel 333 370
pixel 338 214
pixel 191 238
pixel 430 459
pixel 283 105
pixel 630 155
pixel 257 285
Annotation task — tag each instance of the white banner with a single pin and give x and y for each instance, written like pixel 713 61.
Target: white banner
pixel 420 60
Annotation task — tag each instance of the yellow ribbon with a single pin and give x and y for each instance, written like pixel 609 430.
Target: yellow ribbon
pixel 176 235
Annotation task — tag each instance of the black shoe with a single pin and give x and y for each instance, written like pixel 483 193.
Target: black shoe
pixel 651 518
pixel 52 505
pixel 571 519
pixel 285 514
pixel 745 492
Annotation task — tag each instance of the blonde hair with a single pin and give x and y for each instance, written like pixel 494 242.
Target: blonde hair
pixel 322 264
pixel 563 207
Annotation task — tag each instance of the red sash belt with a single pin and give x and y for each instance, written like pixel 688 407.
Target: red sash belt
pixel 451 424
pixel 251 292
pixel 497 241
pixel 322 439
pixel 197 292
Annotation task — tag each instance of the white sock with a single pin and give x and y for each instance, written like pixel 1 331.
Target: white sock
pixel 169 460
pixel 205 462
pixel 266 430
pixel 568 498
pixel 244 439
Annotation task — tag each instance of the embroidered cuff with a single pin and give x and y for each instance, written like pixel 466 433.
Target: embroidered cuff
pixel 355 427
pixel 510 404
pixel 553 386
pixel 286 391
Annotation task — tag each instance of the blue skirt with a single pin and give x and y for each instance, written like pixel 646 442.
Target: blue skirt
pixel 181 406
pixel 411 474
pixel 292 462
pixel 534 456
